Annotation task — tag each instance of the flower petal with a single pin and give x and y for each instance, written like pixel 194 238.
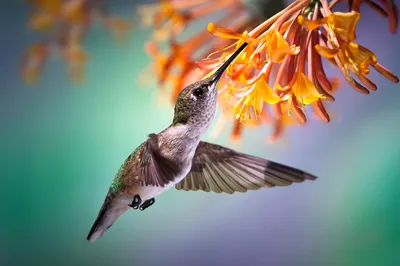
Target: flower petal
pixel 326 52
pixel 266 92
pixel 279 87
pixel 222 32
pixel 304 90
pixel 278 48
pixel 311 24
pixel 208 64
pixel 356 58
pixel 361 57
pixel 344 24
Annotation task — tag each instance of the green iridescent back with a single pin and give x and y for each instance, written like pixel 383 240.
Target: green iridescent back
pixel 117 184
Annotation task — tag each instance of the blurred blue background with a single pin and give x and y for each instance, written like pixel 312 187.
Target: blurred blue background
pixel 61 146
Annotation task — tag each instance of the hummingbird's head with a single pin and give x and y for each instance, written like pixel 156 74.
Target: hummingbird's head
pixel 196 104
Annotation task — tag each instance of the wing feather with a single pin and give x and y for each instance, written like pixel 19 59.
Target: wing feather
pixel 232 184
pixel 221 181
pixel 155 169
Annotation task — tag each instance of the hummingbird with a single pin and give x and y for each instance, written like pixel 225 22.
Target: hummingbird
pixel 177 157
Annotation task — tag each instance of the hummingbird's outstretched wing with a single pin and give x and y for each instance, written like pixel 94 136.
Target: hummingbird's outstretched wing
pixel 219 169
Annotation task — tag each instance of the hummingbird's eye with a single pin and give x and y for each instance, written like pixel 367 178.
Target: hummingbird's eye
pixel 199 92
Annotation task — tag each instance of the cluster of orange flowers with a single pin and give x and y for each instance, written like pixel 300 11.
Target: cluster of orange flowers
pixel 65 23
pixel 273 81
pixel 281 70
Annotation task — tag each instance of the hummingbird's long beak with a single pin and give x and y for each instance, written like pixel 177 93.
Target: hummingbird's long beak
pixel 217 75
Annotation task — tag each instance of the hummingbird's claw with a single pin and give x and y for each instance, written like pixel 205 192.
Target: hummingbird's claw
pixel 147 204
pixel 135 202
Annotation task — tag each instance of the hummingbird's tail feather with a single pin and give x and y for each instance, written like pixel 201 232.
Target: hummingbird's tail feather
pixel 108 214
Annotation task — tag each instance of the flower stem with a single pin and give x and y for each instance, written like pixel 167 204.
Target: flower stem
pixel 263 26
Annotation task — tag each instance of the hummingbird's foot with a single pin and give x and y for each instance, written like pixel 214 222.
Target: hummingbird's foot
pixel 147 204
pixel 136 202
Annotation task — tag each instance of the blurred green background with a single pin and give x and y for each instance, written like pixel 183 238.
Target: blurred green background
pixel 61 146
